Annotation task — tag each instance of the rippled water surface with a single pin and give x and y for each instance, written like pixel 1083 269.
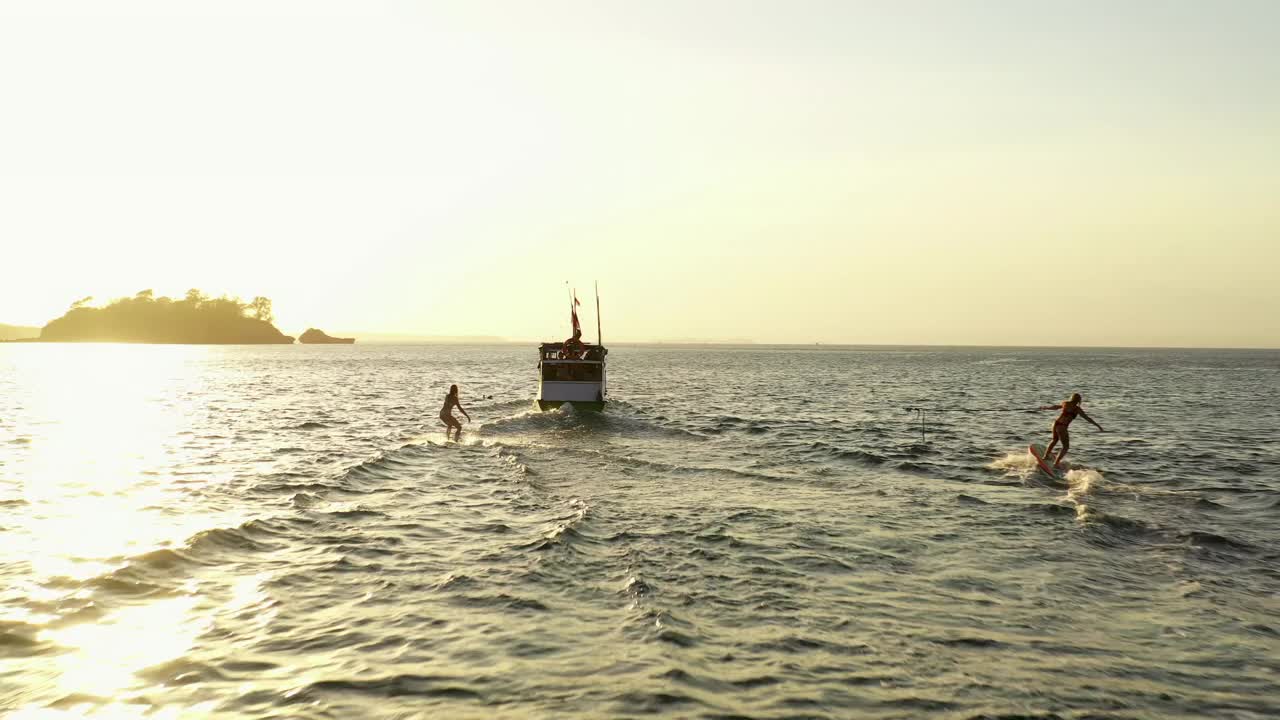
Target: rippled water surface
pixel 745 532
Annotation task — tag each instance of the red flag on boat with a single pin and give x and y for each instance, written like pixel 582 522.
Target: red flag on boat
pixel 573 310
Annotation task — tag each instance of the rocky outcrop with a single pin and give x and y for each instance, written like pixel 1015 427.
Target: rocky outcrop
pixel 317 337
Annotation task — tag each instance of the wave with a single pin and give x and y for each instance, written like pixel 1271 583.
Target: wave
pixel 634 586
pixel 1127 527
pixel 1207 505
pixel 934 471
pixel 1083 482
pixel 1132 530
pixel 282 486
pixel 732 423
pixel 427 686
pixel 350 512
pixel 514 459
pixel 1080 481
pixel 258 535
pixel 304 500
pixel 609 455
pixel 456 581
pixel 533 420
pixel 1253 502
pixel 1212 541
pixel 564 530
pixel 163 570
pixel 1017 464
pixel 826 451
pixel 1052 509
pixel 505 602
pixel 20 638
pixel 387 465
pixel 618 418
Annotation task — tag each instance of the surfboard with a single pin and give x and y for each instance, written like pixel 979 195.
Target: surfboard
pixel 1037 452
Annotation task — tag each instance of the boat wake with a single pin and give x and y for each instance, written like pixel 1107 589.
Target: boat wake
pixel 1083 482
pixel 1015 464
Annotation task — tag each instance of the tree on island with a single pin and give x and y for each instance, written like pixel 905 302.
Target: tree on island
pixel 262 309
pixel 144 318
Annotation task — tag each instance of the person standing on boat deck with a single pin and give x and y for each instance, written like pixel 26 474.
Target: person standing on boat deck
pixel 1070 409
pixel 446 417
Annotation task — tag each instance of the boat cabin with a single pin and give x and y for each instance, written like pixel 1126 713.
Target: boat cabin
pixel 571 372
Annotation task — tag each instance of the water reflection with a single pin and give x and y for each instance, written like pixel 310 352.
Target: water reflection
pixel 87 488
pixel 105 655
pixel 91 473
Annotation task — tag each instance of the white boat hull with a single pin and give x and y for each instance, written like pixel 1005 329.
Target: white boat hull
pixel 579 378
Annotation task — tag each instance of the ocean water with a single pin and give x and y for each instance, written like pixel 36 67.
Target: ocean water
pixel 745 533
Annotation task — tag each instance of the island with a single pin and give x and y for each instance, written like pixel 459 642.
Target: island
pixel 196 319
pixel 318 337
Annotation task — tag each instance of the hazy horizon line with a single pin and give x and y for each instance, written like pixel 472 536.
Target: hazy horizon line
pixel 393 338
pixel 496 340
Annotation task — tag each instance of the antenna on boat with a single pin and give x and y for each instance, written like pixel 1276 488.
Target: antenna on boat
pixel 573 303
pixel 599 340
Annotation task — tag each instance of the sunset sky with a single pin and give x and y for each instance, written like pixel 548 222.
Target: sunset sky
pixel 1048 173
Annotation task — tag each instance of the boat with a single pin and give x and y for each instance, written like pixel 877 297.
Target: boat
pixel 573 371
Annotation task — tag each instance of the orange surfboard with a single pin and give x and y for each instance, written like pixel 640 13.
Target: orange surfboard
pixel 1037 452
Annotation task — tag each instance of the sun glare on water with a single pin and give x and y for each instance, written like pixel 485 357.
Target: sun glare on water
pixel 92 475
pixel 86 491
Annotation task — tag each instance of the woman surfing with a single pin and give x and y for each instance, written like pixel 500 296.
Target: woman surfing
pixel 446 416
pixel 1070 409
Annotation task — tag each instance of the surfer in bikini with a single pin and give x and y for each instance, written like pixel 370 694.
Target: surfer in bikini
pixel 446 416
pixel 1070 409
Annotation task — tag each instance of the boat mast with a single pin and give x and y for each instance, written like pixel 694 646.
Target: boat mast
pixel 571 310
pixel 599 340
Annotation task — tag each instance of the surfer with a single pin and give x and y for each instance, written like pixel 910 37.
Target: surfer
pixel 1070 409
pixel 446 417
